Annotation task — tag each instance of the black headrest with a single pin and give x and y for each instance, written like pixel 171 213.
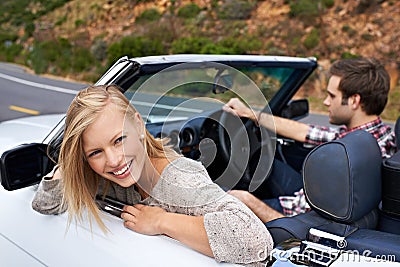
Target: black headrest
pixel 342 178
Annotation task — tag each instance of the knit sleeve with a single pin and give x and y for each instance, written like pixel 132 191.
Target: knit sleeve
pixel 236 235
pixel 48 197
pixel 234 232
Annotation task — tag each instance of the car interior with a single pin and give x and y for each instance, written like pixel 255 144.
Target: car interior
pixel 353 194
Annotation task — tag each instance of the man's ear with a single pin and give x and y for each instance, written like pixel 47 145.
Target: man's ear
pixel 354 101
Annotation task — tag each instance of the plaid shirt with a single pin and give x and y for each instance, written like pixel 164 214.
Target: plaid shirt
pixel 293 205
pixel 382 132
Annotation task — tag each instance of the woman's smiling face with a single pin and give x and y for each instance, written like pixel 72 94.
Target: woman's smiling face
pixel 113 148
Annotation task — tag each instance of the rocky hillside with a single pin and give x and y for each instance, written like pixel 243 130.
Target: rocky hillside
pixel 346 28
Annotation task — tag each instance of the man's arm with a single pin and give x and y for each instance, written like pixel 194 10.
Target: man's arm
pixel 262 210
pixel 285 127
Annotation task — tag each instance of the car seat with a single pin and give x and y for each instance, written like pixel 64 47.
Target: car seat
pixel 397 132
pixel 342 183
pixel 385 240
pixel 389 219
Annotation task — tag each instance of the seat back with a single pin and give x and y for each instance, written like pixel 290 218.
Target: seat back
pixel 391 185
pixel 342 178
pixel 342 183
pixel 389 219
pixel 397 132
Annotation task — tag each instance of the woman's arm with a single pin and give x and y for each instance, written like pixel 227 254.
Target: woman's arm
pixel 216 224
pixel 232 234
pixel 48 197
pixel 236 234
pixel 151 220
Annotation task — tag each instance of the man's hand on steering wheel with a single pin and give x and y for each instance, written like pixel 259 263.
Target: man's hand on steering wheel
pixel 238 108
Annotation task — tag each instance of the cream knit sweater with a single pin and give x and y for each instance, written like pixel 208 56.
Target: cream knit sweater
pixel 235 234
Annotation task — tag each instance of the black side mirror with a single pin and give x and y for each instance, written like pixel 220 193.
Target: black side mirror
pixel 296 109
pixel 24 165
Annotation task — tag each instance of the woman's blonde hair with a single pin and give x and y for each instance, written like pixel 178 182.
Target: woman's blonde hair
pixel 80 182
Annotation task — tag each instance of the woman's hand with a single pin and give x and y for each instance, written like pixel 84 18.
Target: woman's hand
pixel 150 220
pixel 143 219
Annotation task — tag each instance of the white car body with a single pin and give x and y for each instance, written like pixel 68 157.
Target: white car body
pixel 31 239
pixel 32 129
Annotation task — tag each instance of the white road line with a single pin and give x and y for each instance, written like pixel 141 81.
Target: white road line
pixel 39 85
pixel 146 104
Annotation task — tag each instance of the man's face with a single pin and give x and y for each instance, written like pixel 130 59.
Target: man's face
pixel 339 113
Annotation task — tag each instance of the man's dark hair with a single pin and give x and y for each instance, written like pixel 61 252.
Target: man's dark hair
pixel 366 77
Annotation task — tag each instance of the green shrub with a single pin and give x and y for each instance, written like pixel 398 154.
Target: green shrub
pixel 61 20
pixel 29 29
pixel 346 28
pixel 235 9
pixel 16 12
pixel 202 45
pixel 161 32
pixel 79 22
pixel 349 30
pixel 309 10
pixel 243 45
pixel 51 54
pixel 60 57
pixel 328 3
pixel 304 8
pixel 99 50
pixel 392 108
pixel 134 47
pixel 151 14
pixel 312 40
pixel 189 11
pixel 348 55
pixel 10 51
pixel 81 59
pixel 367 37
pixel 36 59
pixel 189 45
pixel 6 36
pixel 212 48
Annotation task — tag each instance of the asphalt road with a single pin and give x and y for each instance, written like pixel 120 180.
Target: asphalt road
pixel 23 94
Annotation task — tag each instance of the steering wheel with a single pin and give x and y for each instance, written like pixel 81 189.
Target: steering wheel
pixel 242 139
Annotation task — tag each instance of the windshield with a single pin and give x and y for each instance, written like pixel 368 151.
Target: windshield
pixel 185 90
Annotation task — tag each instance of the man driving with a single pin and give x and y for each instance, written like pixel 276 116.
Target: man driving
pixel 357 93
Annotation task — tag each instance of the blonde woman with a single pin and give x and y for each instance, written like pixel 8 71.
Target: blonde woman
pixel 107 150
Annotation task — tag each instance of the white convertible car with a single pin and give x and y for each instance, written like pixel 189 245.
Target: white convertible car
pixel 181 96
